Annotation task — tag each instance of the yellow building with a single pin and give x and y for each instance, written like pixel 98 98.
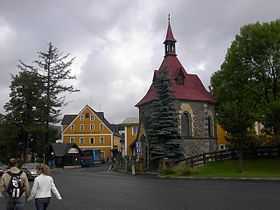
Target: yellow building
pixel 221 138
pixel 90 131
pixel 130 133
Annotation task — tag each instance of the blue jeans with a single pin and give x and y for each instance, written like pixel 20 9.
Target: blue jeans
pixel 42 203
pixel 15 204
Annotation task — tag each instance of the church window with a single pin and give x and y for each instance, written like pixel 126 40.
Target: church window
pixel 210 126
pixel 186 124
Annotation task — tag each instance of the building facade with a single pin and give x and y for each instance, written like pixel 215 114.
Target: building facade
pixel 195 105
pixel 90 131
pixel 130 133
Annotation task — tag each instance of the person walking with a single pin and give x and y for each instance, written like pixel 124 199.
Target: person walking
pixel 14 186
pixel 43 188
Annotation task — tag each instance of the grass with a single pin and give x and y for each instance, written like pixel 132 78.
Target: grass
pixel 229 168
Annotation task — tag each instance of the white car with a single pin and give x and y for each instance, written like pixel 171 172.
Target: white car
pixel 30 170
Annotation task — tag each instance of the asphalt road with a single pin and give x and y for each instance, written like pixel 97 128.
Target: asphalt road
pixel 96 189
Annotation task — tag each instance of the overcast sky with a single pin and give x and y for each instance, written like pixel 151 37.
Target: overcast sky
pixel 118 43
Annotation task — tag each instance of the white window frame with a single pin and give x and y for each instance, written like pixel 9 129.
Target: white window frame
pixel 133 133
pixel 91 127
pixel 71 140
pixel 82 117
pixel 81 140
pixel 101 140
pixel 82 127
pixel 91 117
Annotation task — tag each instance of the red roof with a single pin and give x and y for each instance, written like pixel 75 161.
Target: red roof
pixel 169 34
pixel 191 90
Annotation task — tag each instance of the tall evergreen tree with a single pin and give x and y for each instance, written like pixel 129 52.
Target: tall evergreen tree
pixel 163 122
pixel 8 139
pixel 157 151
pixel 54 68
pixel 23 108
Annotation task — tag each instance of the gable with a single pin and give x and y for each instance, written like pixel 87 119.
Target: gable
pixel 86 117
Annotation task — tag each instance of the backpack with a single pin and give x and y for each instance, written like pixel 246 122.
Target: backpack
pixel 15 187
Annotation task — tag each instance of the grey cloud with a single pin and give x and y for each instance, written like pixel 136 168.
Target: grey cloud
pixel 118 44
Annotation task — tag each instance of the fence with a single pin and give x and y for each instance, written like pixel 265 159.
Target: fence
pixel 231 154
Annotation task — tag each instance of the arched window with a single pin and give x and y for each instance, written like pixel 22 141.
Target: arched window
pixel 210 126
pixel 186 124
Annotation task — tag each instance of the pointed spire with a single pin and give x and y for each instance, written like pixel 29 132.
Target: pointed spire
pixel 170 41
pixel 169 34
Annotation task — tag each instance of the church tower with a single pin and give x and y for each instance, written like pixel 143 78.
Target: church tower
pixel 195 105
pixel 170 41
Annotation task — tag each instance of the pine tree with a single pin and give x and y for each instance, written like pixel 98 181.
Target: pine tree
pixel 157 151
pixel 23 108
pixel 162 130
pixel 54 68
pixel 168 120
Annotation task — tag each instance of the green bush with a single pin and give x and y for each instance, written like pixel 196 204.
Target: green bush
pixel 167 171
pixel 181 169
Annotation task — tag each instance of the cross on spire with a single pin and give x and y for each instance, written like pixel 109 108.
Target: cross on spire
pixel 168 18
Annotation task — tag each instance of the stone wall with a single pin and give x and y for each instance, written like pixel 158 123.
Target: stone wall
pixel 199 112
pixel 198 146
pixel 200 141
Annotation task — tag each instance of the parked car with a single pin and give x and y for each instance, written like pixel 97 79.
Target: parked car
pixel 91 158
pixel 30 170
pixel 3 168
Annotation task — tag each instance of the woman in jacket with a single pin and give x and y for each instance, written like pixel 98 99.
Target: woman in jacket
pixel 43 187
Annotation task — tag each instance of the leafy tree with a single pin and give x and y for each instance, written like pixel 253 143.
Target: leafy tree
pixel 55 71
pixel 247 85
pixel 272 119
pixel 162 131
pixel 258 50
pixel 237 100
pixel 23 108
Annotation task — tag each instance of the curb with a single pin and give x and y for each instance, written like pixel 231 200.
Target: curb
pixel 222 178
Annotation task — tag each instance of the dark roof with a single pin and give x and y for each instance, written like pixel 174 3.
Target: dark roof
pixel 169 35
pixel 68 118
pixel 192 89
pixel 101 116
pixel 117 127
pixel 61 149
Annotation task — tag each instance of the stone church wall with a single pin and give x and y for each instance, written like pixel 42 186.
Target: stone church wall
pixel 200 141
